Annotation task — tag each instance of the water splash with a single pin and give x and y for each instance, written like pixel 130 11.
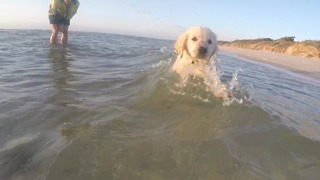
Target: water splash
pixel 162 63
pixel 212 78
pixel 211 85
pixel 164 49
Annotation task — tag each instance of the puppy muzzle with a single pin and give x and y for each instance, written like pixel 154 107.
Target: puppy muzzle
pixel 202 52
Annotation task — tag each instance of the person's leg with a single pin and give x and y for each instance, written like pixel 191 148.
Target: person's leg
pixel 55 30
pixel 64 36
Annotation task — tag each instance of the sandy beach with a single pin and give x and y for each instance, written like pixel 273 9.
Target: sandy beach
pixel 304 66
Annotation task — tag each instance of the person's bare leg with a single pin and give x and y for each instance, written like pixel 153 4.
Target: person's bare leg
pixel 64 36
pixel 54 35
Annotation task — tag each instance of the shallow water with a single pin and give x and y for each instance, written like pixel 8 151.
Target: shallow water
pixel 108 107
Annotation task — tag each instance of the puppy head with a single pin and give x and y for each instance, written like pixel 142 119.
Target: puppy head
pixel 198 43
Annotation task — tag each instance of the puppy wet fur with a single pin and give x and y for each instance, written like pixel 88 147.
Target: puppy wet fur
pixel 195 47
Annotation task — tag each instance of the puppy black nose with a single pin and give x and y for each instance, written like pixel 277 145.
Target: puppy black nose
pixel 202 50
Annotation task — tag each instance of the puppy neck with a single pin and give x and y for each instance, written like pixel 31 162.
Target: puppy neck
pixel 187 57
pixel 193 60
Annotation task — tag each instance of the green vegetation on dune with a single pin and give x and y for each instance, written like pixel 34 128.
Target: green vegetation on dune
pixel 285 45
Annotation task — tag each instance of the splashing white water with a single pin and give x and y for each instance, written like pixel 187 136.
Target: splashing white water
pixel 212 77
pixel 229 92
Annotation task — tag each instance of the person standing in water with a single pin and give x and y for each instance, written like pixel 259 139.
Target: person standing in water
pixel 60 13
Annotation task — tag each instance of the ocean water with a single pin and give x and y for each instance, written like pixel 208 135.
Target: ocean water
pixel 108 107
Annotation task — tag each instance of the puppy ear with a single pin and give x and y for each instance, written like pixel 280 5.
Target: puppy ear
pixel 215 43
pixel 181 44
pixel 215 50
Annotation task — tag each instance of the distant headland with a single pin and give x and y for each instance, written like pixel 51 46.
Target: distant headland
pixel 286 45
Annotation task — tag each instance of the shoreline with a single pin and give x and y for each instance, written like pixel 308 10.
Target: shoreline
pixel 299 65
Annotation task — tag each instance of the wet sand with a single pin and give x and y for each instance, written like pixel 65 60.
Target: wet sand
pixel 304 66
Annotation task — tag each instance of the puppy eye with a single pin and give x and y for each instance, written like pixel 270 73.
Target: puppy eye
pixel 209 41
pixel 194 39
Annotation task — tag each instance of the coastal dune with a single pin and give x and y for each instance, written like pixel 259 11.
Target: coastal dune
pixel 308 50
pixel 286 45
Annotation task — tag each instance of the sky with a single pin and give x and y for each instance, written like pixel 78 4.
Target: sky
pixel 167 19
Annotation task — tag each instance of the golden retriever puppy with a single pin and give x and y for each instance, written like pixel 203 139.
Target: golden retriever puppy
pixel 195 47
